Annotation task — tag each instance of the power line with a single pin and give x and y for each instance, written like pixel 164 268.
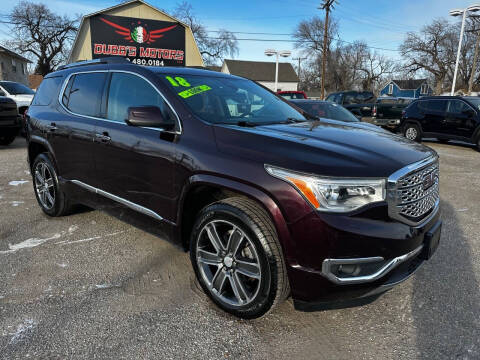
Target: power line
pixel 299 41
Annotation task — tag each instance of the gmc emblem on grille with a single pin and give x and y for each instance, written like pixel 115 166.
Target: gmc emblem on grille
pixel 428 180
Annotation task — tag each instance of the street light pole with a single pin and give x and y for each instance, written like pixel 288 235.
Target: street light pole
pixel 458 52
pixel 463 13
pixel 283 53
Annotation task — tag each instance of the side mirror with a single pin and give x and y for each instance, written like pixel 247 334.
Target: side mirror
pixel 148 116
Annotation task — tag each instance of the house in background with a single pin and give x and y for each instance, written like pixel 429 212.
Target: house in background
pixel 13 67
pixel 264 73
pixel 413 88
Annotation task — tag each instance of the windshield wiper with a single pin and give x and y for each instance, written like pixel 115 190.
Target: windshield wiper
pixel 291 120
pixel 245 123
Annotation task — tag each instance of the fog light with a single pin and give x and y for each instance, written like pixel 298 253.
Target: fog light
pixel 349 269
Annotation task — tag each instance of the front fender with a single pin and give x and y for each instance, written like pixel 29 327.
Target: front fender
pixel 253 193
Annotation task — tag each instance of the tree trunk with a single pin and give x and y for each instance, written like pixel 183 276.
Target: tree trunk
pixel 439 85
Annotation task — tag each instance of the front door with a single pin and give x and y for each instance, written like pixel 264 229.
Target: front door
pixel 135 163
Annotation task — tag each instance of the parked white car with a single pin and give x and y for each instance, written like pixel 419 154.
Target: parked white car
pixel 22 94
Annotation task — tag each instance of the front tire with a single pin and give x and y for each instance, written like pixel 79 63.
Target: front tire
pixel 50 197
pixel 412 132
pixel 237 258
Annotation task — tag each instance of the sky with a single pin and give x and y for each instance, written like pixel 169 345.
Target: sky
pixel 382 24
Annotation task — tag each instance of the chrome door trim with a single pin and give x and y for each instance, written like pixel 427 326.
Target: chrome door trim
pixel 60 96
pixel 127 203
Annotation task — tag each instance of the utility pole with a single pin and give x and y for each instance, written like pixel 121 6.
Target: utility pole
pixel 475 57
pixel 299 64
pixel 326 5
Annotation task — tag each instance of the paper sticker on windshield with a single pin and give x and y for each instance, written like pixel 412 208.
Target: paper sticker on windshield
pixel 194 91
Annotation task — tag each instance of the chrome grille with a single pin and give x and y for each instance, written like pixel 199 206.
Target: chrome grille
pixel 414 191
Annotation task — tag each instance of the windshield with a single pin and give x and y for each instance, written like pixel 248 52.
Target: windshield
pixel 14 88
pixel 327 110
pixel 222 100
pixel 475 102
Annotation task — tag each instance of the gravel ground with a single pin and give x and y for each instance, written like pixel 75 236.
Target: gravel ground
pixel 93 286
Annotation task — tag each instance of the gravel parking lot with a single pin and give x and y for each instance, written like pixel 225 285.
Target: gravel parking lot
pixel 93 286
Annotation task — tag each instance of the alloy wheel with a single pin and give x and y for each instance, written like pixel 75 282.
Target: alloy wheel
pixel 229 263
pixel 44 185
pixel 411 133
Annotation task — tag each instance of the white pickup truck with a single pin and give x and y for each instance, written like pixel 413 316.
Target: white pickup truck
pixel 20 93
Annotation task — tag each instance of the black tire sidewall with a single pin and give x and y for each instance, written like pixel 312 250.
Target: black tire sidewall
pixel 264 299
pixel 59 198
pixel 417 128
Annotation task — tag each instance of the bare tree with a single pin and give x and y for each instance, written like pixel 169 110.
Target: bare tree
pixel 42 35
pixel 375 67
pixel 432 50
pixel 213 48
pixel 309 35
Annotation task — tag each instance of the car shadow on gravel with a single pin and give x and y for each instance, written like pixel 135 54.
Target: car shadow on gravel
pixel 464 145
pixel 446 298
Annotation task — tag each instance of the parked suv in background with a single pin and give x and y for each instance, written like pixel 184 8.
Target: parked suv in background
pixel 443 117
pixel 268 202
pixel 20 93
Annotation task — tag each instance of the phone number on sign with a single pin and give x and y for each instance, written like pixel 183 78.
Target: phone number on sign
pixel 148 62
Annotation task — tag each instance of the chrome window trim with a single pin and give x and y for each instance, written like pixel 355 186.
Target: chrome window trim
pixel 392 186
pixel 121 200
pixel 60 96
pixel 389 266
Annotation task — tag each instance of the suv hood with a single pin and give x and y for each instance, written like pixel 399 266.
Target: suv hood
pixel 322 148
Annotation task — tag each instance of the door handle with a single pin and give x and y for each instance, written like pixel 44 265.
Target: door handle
pixel 52 127
pixel 103 137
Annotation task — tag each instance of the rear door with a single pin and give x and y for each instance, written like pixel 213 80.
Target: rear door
pixel 460 119
pixel 72 130
pixel 433 115
pixel 135 163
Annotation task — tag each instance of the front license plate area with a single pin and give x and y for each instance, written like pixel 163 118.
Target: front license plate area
pixel 431 241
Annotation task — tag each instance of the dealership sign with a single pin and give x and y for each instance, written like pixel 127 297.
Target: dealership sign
pixel 143 42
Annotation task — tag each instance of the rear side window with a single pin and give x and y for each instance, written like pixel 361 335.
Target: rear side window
pixel 83 94
pixel 47 91
pixel 127 90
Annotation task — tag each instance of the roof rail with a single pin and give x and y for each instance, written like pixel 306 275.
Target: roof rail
pixel 106 60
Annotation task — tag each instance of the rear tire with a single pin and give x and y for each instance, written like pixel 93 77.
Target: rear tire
pixel 237 258
pixel 52 200
pixel 6 140
pixel 412 132
pixel 478 143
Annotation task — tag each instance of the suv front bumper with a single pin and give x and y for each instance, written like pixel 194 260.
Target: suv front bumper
pixel 402 248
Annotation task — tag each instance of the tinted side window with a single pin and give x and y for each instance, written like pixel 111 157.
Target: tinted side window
pixel 457 107
pixel 127 90
pixel 84 94
pixel 330 98
pixel 47 90
pixel 436 105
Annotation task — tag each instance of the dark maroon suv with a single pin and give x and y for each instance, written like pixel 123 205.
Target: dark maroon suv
pixel 269 202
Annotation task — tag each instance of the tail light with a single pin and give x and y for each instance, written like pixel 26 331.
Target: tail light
pixel 374 111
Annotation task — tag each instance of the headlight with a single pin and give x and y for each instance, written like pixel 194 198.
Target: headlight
pixel 333 194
